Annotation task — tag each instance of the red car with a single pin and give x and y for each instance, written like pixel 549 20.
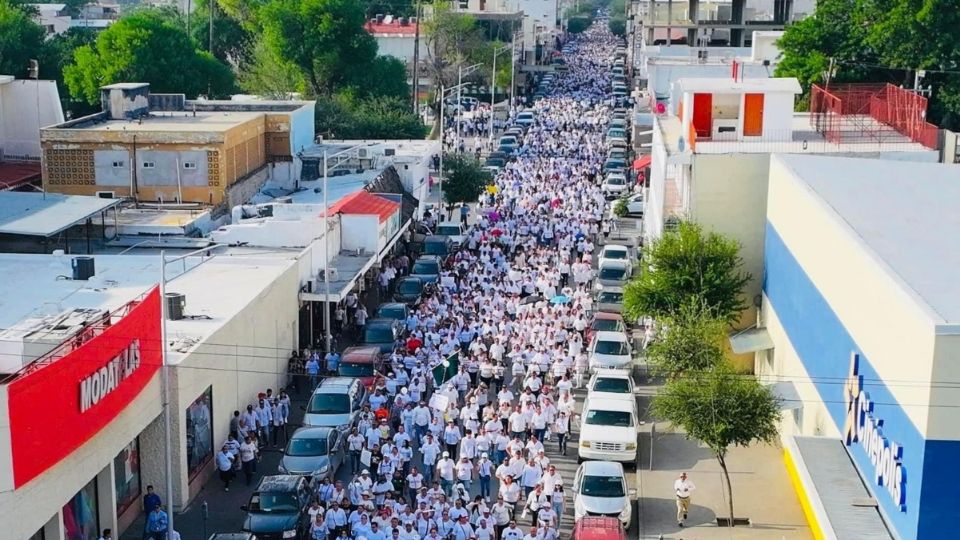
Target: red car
pixel 601 321
pixel 363 363
pixel 599 528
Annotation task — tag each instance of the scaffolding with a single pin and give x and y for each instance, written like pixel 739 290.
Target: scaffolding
pixel 850 113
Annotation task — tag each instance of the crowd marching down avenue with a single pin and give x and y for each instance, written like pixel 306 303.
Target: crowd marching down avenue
pixel 472 458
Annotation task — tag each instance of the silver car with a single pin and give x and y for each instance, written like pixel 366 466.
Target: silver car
pixel 609 299
pixel 600 490
pixel 316 452
pixel 336 402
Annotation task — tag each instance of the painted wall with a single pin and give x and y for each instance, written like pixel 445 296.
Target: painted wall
pixel 828 296
pixel 662 76
pixel 400 46
pixel 21 107
pixel 362 231
pixel 303 131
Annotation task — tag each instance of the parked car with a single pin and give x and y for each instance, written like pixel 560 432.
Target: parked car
pixel 619 123
pixel 408 290
pixel 599 528
pixel 614 185
pixel 393 310
pixel 508 143
pixel 608 430
pixel 609 299
pixel 614 252
pixel 336 403
pixel 427 268
pixel 455 231
pixel 610 350
pixel 600 489
pixel 610 383
pixel 602 321
pixel 615 164
pixel 494 164
pixel 613 273
pixel 278 508
pixel 382 333
pixel 635 204
pixel 526 118
pixel 439 245
pixel 314 452
pixel 362 362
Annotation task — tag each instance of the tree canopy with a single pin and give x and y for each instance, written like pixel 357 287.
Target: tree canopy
pixel 689 343
pixel 21 39
pixel 464 178
pixel 688 267
pixel 146 46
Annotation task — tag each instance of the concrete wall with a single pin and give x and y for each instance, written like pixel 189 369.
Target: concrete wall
pixel 363 231
pixel 25 105
pixel 189 165
pixel 107 174
pixel 777 115
pixel 662 76
pixel 400 46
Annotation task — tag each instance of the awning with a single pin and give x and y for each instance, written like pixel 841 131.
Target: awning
pixel 751 340
pixel 787 392
pixel 641 162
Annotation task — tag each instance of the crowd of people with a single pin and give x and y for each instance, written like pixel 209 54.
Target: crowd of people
pixel 467 459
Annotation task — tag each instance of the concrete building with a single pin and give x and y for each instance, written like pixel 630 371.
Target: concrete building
pixel 396 37
pixel 537 20
pixel 859 330
pixel 711 161
pixel 75 461
pixel 56 19
pixel 728 23
pixel 25 106
pixel 164 148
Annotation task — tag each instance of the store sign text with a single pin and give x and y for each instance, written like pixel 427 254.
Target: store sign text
pixel 863 427
pixel 106 379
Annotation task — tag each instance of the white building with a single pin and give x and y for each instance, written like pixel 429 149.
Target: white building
pixel 55 18
pixel 397 37
pixel 25 106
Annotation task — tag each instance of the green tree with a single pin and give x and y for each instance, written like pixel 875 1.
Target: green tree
pixel 721 410
pixel 146 46
pixel 618 26
pixel 325 39
pixel 265 74
pixel 690 343
pixel 464 179
pixel 345 116
pixel 385 77
pixel 232 41
pixel 688 266
pixel 58 54
pixel 21 39
pixel 578 24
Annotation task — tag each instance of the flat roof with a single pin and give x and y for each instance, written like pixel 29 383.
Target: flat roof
pixel 14 175
pixel 39 214
pixel 349 267
pixel 904 213
pixel 776 84
pixel 169 121
pixel 338 187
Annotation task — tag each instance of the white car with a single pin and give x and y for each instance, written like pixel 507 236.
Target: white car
pixel 613 273
pixel 635 204
pixel 615 252
pixel 614 184
pixel 456 232
pixel 608 430
pixel 525 119
pixel 610 350
pixel 610 383
pixel 600 489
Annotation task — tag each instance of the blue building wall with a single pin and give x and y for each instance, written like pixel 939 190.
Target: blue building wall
pixel 824 346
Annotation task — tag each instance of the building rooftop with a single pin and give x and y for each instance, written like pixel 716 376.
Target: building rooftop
pixel 168 121
pixel 390 28
pixel 902 213
pixel 363 202
pixel 39 214
pixel 728 85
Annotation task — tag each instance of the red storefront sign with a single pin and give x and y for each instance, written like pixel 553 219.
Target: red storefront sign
pixel 58 405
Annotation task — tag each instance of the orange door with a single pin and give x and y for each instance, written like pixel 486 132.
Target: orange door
pixel 703 114
pixel 753 115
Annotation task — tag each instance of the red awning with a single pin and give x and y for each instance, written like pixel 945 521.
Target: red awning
pixel 641 162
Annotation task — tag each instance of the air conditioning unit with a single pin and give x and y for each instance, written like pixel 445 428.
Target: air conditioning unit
pixel 362 153
pixel 106 194
pixel 332 275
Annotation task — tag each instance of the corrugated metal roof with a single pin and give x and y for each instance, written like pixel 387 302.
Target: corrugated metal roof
pixel 839 486
pixel 363 202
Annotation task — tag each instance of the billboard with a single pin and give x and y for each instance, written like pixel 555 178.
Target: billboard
pixel 59 403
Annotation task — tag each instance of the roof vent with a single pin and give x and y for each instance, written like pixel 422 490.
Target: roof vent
pixel 83 268
pixel 380 17
pixel 176 305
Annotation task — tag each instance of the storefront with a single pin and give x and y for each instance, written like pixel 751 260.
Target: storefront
pixel 860 319
pixel 77 418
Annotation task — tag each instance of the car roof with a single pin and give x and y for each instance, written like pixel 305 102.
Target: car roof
pixel 313 432
pixel 602 468
pixel 614 263
pixel 365 352
pixel 278 483
pixel 598 528
pixel 611 289
pixel 331 384
pixel 410 278
pixel 426 258
pixel 436 239
pixel 391 305
pixel 610 335
pixel 610 373
pixel 605 401
pixel 608 316
pixel 381 321
pixel 615 247
pixel 232 536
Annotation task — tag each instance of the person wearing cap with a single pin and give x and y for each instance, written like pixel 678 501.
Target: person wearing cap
pixel 465 472
pixel 408 532
pixel 484 474
pixel 365 481
pixel 462 530
pixel 429 450
pixel 445 471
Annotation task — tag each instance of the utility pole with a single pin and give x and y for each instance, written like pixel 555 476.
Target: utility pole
pixel 210 8
pixel 416 63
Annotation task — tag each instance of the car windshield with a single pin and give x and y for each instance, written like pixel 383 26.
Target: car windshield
pixel 391 313
pixel 306 446
pixel 329 404
pixel 436 248
pixel 605 325
pixel 356 370
pixel 614 254
pixel 615 385
pixel 616 180
pixel 610 297
pixel 410 286
pixel 609 418
pixel 378 335
pixel 611 347
pixel 449 230
pixel 425 268
pixel 274 503
pixel 612 273
pixel 602 486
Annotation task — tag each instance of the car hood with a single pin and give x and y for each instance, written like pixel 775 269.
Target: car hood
pixel 609 307
pixel 602 505
pixel 591 432
pixel 324 420
pixel 610 359
pixel 304 465
pixel 269 523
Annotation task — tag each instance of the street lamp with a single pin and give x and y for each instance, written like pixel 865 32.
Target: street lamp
pixel 461 71
pixel 328 337
pixel 443 96
pixel 493 84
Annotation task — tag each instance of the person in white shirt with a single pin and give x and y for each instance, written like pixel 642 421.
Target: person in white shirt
pixel 536 500
pixel 414 483
pixel 683 488
pixel 512 532
pixel 445 470
pixel 465 470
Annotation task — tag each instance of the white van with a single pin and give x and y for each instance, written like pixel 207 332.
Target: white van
pixel 608 429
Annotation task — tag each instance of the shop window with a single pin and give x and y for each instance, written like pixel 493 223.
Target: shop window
pixel 200 432
pixel 81 519
pixel 126 475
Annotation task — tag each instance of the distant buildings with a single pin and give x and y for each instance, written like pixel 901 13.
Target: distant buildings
pixel 57 19
pixel 25 105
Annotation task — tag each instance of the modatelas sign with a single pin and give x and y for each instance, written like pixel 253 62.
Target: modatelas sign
pixel 106 379
pixel 863 427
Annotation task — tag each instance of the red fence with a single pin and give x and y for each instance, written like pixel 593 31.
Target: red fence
pixel 841 114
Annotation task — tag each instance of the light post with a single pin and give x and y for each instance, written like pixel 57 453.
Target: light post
pixel 493 85
pixel 443 129
pixel 513 67
pixel 461 71
pixel 328 337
